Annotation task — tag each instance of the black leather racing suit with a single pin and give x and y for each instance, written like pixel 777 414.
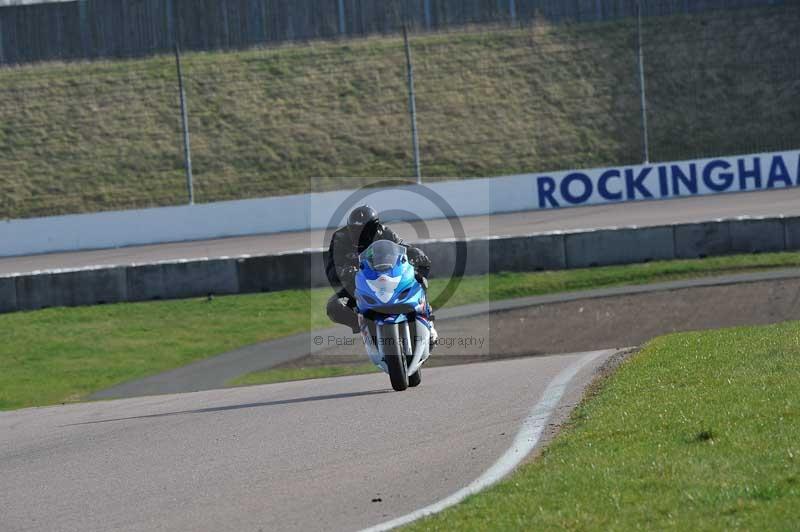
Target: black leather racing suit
pixel 342 264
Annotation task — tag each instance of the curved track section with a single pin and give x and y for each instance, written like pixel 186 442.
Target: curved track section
pixel 529 326
pixel 334 454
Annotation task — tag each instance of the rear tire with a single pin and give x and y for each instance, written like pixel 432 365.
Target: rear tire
pixel 393 354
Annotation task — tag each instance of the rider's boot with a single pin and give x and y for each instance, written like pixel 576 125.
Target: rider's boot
pixel 434 336
pixel 355 325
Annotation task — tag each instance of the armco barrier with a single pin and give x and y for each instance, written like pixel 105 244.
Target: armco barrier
pixel 269 273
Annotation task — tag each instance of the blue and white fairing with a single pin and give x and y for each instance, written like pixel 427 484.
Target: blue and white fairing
pixel 386 285
pixel 387 292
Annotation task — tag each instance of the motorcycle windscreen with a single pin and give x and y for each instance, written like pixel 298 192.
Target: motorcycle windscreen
pixel 382 255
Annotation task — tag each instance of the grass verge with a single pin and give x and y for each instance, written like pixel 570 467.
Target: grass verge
pixel 64 354
pixel 699 431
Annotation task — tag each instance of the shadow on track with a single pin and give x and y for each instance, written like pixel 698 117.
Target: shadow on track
pixel 239 407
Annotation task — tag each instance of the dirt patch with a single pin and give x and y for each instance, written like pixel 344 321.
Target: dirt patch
pixel 603 323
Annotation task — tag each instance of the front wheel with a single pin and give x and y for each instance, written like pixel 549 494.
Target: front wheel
pixel 394 355
pixel 415 379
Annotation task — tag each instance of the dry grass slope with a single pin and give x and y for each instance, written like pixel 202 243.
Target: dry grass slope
pixel 106 135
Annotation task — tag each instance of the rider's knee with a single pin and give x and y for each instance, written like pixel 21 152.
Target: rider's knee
pixel 334 308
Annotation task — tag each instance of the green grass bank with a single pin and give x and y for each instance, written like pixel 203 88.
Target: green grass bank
pixel 64 354
pixel 82 137
pixel 699 431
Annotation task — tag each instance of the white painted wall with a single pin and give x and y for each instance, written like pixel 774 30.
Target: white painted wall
pixel 315 211
pixel 249 217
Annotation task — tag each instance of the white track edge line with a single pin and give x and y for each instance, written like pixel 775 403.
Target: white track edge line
pixel 526 439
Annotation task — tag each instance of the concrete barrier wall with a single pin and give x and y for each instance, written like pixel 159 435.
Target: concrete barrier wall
pixel 758 236
pixel 619 246
pixel 792 232
pixel 70 289
pixel 553 251
pixel 470 197
pixel 528 253
pixel 693 241
pixel 8 295
pixel 181 280
pixel 737 236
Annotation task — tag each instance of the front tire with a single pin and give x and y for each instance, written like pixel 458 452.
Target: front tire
pixel 394 355
pixel 415 379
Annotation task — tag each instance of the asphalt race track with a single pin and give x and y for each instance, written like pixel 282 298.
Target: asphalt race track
pixel 329 454
pixel 646 213
pixel 333 454
pixel 530 326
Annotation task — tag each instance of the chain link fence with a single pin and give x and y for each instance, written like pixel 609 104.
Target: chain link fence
pixel 43 30
pixel 490 100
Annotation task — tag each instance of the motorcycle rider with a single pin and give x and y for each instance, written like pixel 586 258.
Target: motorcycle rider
pixel 362 229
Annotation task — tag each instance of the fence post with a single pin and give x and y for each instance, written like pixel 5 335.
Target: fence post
pixel 428 17
pixel 83 16
pixel 512 11
pixel 169 11
pixel 642 91
pixel 187 145
pixel 342 25
pixel 2 57
pixel 412 106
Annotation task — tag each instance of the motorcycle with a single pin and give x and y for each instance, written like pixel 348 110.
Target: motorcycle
pixel 393 313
